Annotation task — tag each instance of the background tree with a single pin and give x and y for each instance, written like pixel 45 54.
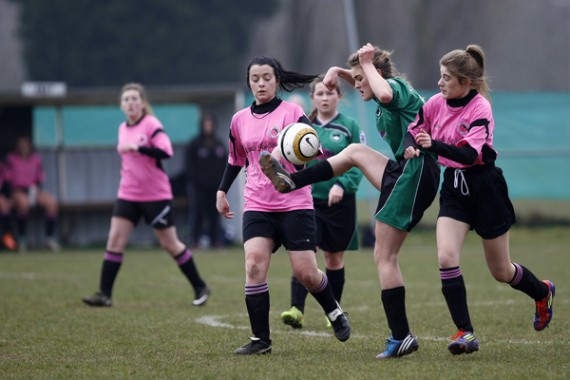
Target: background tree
pixel 108 42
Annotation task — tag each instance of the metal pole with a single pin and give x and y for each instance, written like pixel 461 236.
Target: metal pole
pixel 60 154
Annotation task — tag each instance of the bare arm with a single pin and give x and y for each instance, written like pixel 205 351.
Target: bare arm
pixel 332 75
pixel 379 85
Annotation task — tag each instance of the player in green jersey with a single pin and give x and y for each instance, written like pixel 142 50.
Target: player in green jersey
pixel 407 187
pixel 334 200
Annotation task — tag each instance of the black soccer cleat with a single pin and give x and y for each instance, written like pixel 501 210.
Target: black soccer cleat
pixel 201 296
pixel 280 178
pixel 98 299
pixel 340 324
pixel 255 347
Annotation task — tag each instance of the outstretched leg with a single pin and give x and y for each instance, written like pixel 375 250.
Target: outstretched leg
pixel 369 161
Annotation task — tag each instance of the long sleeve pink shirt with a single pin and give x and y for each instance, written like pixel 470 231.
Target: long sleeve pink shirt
pixel 250 135
pixel 142 177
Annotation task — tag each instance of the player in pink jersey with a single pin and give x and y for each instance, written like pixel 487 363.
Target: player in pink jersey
pixel 144 192
pixel 272 219
pixel 457 124
pixel 26 175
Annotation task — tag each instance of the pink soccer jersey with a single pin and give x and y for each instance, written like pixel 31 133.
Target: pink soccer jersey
pixel 142 176
pixel 24 172
pixel 250 135
pixel 471 124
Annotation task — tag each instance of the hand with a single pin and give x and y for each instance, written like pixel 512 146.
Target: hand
pixel 128 147
pixel 223 206
pixel 331 78
pixel 366 54
pixel 411 152
pixel 423 139
pixel 335 195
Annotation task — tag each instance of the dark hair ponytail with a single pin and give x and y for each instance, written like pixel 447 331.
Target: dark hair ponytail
pixel 287 80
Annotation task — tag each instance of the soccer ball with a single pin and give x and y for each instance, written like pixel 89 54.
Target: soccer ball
pixel 298 143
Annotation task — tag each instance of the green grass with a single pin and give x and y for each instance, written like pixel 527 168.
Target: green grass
pixel 153 332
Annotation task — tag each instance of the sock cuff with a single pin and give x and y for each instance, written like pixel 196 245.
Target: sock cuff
pixel 253 289
pixel 449 273
pixel 518 275
pixel 183 257
pixel 322 285
pixel 114 257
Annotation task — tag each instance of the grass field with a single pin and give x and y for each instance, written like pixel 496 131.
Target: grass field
pixel 153 332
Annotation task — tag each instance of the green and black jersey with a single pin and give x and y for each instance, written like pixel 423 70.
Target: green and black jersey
pixel 336 135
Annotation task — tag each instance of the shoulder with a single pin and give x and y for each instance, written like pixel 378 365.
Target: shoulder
pixel 348 121
pixel 435 100
pixel 241 114
pixel 152 121
pixel 481 101
pixel 400 84
pixel 294 108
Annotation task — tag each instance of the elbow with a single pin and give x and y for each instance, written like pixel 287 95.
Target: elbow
pixel 385 98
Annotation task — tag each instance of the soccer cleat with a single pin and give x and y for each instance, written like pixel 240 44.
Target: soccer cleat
pixel 201 296
pixel 463 342
pixel 543 313
pixel 340 324
pixel 9 241
pixel 255 347
pixel 22 245
pixel 53 245
pixel 293 317
pixel 98 299
pixel 280 178
pixel 397 348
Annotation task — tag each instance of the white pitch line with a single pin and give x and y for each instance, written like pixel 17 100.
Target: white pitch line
pixel 216 321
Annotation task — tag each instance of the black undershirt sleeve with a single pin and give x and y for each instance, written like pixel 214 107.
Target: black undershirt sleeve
pixel 153 152
pixel 230 174
pixel 463 154
pixel 410 141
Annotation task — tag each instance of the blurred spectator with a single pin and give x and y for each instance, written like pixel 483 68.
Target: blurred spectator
pixel 25 173
pixel 206 157
pixel 8 240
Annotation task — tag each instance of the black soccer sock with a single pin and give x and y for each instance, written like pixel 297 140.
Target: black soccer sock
pixel 22 224
pixel 298 294
pixel 394 302
pixel 324 295
pixel 5 223
pixel 186 264
pixel 111 264
pixel 257 302
pixel 336 278
pixel 453 289
pixel 525 281
pixel 50 222
pixel 321 171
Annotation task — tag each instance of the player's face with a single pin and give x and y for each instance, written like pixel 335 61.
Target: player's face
pixel 132 104
pixel 24 146
pixel 263 83
pixel 361 83
pixel 325 100
pixel 449 85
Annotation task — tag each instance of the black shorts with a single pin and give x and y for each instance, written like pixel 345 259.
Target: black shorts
pixel 336 225
pixel 479 197
pixel 6 190
pixel 295 230
pixel 158 214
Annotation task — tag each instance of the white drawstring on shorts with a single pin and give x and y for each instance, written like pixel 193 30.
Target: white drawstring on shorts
pixel 464 187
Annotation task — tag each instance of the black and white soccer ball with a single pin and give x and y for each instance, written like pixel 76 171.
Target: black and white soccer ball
pixel 298 143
